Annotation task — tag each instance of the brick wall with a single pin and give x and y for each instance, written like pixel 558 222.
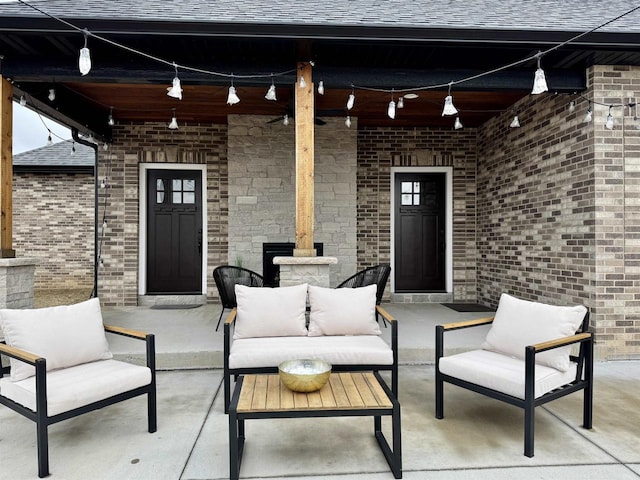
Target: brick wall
pixel 379 149
pixel 154 143
pixel 262 190
pixel 53 221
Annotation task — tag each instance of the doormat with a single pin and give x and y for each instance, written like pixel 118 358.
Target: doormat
pixel 468 307
pixel 174 307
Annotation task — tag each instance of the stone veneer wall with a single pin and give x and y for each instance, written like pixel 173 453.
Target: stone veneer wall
pixel 379 149
pixel 53 222
pixel 154 143
pixel 262 190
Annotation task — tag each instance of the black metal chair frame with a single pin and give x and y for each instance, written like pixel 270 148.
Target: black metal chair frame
pixel 40 416
pixel 583 380
pixel 227 290
pixel 378 275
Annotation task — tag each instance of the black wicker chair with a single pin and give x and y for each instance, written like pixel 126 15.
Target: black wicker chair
pixel 377 275
pixel 226 278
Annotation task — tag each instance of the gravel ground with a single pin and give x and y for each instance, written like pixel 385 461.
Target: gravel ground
pixel 51 297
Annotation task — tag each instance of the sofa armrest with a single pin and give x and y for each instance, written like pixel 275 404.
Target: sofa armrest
pixel 561 342
pixel 126 332
pixel 466 324
pixel 148 338
pixel 231 317
pixel 386 316
pixel 19 354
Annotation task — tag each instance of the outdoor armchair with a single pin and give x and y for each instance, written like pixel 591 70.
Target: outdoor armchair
pixel 226 278
pixel 526 359
pixel 61 367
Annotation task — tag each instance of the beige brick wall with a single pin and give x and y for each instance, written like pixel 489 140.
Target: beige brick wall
pixel 53 222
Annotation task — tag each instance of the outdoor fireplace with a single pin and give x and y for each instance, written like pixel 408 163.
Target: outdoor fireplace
pixel 271 272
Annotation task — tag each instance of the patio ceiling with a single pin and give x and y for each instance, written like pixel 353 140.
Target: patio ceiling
pixel 39 55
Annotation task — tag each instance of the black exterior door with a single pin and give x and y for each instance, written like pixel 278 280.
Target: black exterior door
pixel 174 235
pixel 420 232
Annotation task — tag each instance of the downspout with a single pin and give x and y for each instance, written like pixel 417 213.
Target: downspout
pixel 96 213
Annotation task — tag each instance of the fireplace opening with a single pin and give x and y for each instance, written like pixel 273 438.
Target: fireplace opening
pixel 271 272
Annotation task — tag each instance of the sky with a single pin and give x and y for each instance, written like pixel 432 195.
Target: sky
pixel 29 131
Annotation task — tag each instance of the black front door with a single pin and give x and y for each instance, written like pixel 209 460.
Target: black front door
pixel 420 232
pixel 174 235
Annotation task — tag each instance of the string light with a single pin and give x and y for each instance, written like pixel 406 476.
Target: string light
pixel 52 94
pixel 321 87
pixel 271 93
pixel 173 124
pixel 539 80
pixel 351 100
pixel 285 120
pixel 589 115
pixel 400 103
pixel 84 61
pixel 23 101
pixel 347 121
pixel 232 97
pixel 175 90
pixel 49 139
pixel 103 183
pixel 515 123
pixel 111 122
pixel 391 109
pixel 457 124
pixel 572 106
pixel 609 123
pixel 73 149
pixel 449 109
pixel 303 82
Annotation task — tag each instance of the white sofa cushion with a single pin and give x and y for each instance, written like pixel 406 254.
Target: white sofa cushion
pixel 65 336
pixel 343 311
pixel 77 386
pixel 270 312
pixel 503 373
pixel 519 323
pixel 339 350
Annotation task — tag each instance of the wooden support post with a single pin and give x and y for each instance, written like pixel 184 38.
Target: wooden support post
pixel 6 169
pixel 304 115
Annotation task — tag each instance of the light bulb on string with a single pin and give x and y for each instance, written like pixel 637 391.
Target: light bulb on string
pixel 303 82
pixel 52 94
pixel 173 124
pixel 400 103
pixel 515 123
pixel 609 123
pixel 271 93
pixel 232 97
pixel 589 115
pixel 73 149
pixel 101 262
pixel 391 109
pixel 351 100
pixel 103 183
pixel 104 224
pixel 321 87
pixel 539 80
pixel 49 139
pixel 285 120
pixel 105 146
pixel 175 90
pixel 449 108
pixel 23 100
pixel 457 124
pixel 572 106
pixel 84 61
pixel 111 122
pixel 347 121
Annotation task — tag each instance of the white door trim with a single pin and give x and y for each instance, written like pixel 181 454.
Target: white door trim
pixel 448 171
pixel 142 219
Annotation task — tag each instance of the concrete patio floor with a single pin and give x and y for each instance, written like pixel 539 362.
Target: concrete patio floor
pixel 478 438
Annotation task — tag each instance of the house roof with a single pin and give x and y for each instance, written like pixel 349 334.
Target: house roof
pixel 379 44
pixel 56 158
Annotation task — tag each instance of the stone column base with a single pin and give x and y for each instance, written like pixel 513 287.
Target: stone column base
pixel 311 270
pixel 17 277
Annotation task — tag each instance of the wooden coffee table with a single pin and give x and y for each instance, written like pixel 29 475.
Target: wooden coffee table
pixel 345 395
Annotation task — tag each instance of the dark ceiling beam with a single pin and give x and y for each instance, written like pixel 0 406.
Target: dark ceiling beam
pixel 334 77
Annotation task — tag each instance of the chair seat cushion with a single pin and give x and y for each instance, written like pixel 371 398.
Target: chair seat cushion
pixel 502 373
pixel 77 386
pixel 338 350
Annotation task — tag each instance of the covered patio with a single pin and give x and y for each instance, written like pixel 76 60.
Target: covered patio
pixel 543 210
pixel 191 443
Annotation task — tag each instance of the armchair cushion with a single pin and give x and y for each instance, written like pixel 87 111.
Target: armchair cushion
pixel 503 373
pixel 65 336
pixel 343 311
pixel 270 312
pixel 519 323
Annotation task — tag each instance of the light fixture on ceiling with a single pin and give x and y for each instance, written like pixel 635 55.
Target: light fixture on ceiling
pixel 449 109
pixel 173 124
pixel 609 123
pixel 111 122
pixel 457 124
pixel 271 93
pixel 347 121
pixel 515 123
pixel 175 90
pixel 84 60
pixel 321 87
pixel 539 80
pixel 351 100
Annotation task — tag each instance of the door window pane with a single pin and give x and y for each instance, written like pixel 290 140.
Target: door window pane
pixel 159 191
pixel 406 187
pixel 406 200
pixel 189 197
pixel 416 199
pixel 177 197
pixel 189 185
